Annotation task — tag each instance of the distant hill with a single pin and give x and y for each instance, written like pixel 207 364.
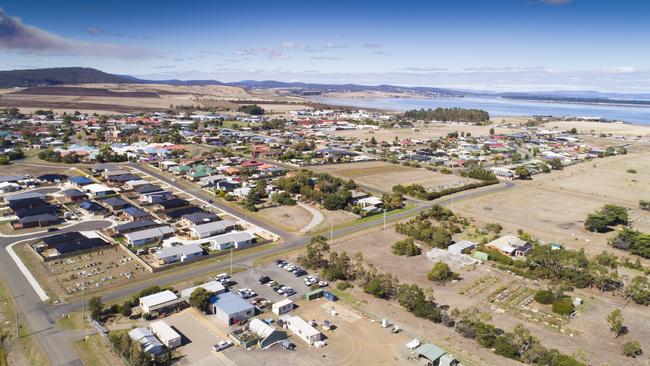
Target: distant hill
pixel 58 76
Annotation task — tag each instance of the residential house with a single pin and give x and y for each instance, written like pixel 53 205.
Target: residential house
pixel 234 239
pixel 134 213
pixel 148 236
pixel 73 195
pixel 92 208
pixel 212 229
pixel 200 217
pixel 179 253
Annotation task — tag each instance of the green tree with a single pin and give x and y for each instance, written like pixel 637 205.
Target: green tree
pixel 522 172
pixel 632 349
pixel 95 307
pixel 200 299
pixel 639 290
pixel 406 247
pixel 563 306
pixel 615 322
pixel 441 273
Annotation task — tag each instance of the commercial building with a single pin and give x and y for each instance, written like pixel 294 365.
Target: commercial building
pixel 148 342
pixel 168 336
pixel 159 302
pixel 230 308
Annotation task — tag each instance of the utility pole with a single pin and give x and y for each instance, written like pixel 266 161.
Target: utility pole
pixel 384 219
pixel 331 233
pixel 231 272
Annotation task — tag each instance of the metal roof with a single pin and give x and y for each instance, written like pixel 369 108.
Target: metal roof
pixel 430 351
pixel 230 303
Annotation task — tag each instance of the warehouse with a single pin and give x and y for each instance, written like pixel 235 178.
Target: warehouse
pixel 302 329
pixel 165 333
pixel 159 302
pixel 230 308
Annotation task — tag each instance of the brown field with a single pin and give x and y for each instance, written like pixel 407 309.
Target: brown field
pixel 599 127
pixel 95 92
pixel 423 132
pixel 293 218
pixel 382 176
pixel 478 288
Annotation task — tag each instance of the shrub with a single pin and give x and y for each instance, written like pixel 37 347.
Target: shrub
pixel 406 247
pixel 441 273
pixel 563 306
pixel 545 297
pixel 342 286
pixel 631 171
pixel 632 349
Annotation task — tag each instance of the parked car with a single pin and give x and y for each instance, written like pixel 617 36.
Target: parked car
pixel 264 279
pixel 221 346
pixel 300 272
pixel 52 229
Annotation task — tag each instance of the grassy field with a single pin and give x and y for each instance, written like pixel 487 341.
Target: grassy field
pixel 94 351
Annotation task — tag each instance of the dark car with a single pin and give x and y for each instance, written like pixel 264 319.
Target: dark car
pixel 300 272
pixel 264 279
pixel 210 201
pixel 53 229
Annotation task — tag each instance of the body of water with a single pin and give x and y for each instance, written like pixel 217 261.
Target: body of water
pixel 504 107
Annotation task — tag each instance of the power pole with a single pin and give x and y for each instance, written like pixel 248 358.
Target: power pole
pixel 331 233
pixel 231 272
pixel 384 219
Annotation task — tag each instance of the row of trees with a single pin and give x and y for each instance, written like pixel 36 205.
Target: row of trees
pixel 418 191
pixel 634 241
pixel 448 114
pixel 333 193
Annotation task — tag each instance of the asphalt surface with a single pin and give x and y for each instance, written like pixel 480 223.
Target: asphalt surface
pixel 41 318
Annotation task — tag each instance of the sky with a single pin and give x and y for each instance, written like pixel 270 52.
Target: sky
pixel 500 45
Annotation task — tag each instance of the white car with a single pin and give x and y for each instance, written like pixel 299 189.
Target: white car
pixel 322 283
pixel 221 346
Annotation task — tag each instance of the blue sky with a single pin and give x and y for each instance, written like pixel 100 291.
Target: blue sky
pixel 471 44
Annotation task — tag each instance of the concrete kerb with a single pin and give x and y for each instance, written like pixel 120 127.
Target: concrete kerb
pixel 25 271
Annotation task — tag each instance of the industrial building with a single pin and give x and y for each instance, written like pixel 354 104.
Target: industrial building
pixel 230 308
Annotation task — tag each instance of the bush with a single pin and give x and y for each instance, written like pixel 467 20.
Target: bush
pixel 545 297
pixel 342 286
pixel 631 171
pixel 406 247
pixel 632 349
pixel 563 306
pixel 441 273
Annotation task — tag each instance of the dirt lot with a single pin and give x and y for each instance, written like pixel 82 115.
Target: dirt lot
pixel 293 218
pixel 96 271
pixel 382 176
pixel 598 127
pixel 355 341
pixel 333 218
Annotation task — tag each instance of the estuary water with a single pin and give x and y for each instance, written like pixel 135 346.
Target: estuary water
pixel 504 107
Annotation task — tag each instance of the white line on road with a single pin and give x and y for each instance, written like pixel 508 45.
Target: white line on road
pixel 28 275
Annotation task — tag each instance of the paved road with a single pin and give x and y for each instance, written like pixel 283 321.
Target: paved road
pixel 58 345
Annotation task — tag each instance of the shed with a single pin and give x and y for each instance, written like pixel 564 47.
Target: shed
pixel 461 247
pixel 148 342
pixel 482 256
pixel 314 294
pixel 282 307
pixel 430 351
pixel 303 330
pixel 329 296
pixel 168 336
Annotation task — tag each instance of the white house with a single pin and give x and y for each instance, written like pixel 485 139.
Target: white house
pixel 148 236
pixel 234 239
pixel 302 329
pixel 165 333
pixel 179 253
pixel 98 190
pixel 212 229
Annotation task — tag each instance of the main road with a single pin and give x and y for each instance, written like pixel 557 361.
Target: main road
pixel 41 318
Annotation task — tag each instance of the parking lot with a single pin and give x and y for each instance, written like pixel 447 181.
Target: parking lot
pixel 250 279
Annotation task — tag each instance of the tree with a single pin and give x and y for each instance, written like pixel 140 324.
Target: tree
pixel 556 164
pixel 563 306
pixel 544 297
pixel 125 309
pixel 491 131
pixel 200 299
pixel 406 247
pixel 441 273
pixel 615 321
pixel 522 172
pixel 632 349
pixel 373 141
pixel 95 307
pixel 639 290
pixel 251 200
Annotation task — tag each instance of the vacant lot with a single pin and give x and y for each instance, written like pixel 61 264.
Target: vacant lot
pixel 293 218
pixel 382 176
pixel 599 127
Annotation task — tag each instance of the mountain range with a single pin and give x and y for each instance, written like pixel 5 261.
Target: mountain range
pixel 84 75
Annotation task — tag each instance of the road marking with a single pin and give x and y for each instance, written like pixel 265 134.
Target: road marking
pixel 28 275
